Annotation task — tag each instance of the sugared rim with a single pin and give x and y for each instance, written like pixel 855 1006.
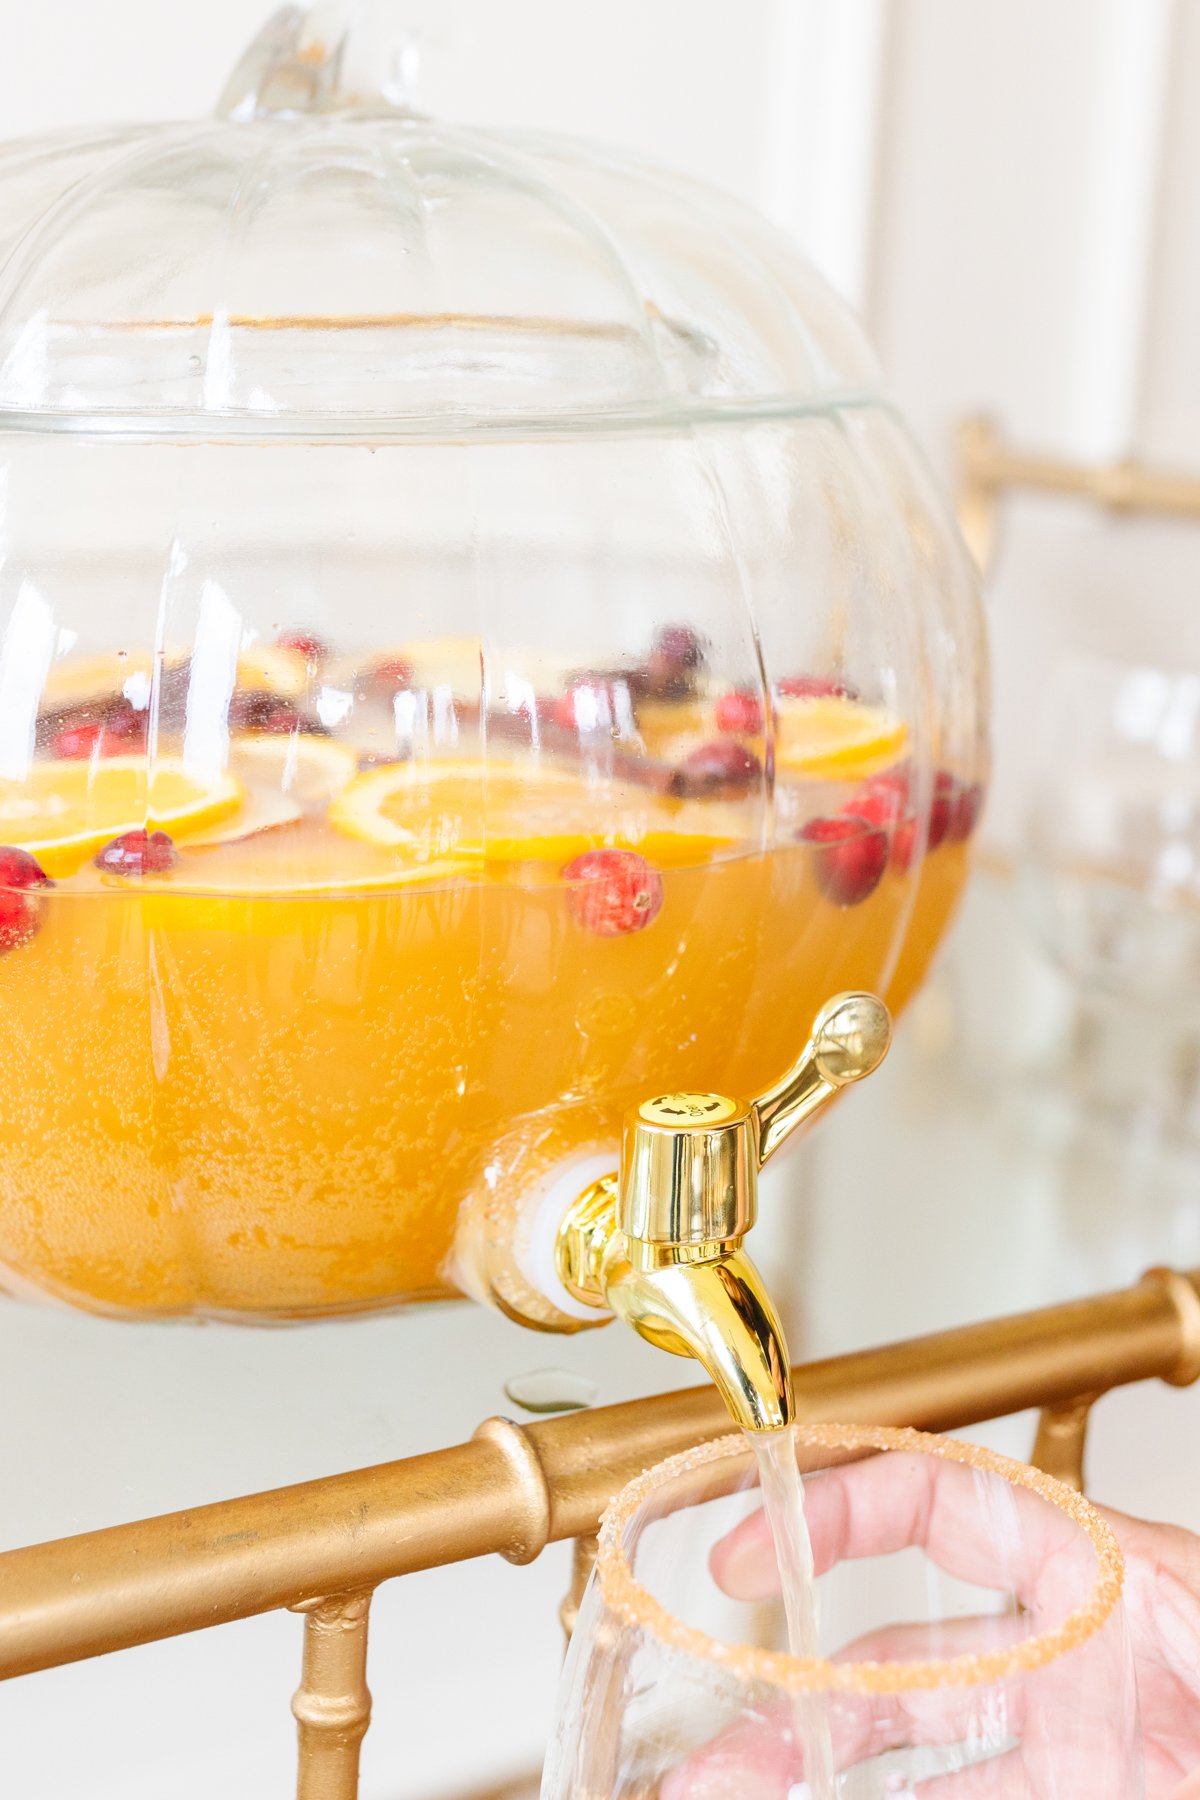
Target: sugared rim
pixel 636 1607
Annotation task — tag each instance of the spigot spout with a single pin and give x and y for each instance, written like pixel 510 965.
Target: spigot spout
pixel 717 1311
pixel 660 1245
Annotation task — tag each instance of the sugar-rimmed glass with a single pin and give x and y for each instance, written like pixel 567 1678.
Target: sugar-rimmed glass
pixel 972 1636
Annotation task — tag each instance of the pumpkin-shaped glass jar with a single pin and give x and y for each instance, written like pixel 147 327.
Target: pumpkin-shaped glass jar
pixel 477 645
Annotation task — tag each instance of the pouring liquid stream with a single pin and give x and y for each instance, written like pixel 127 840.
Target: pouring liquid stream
pixel 783 1502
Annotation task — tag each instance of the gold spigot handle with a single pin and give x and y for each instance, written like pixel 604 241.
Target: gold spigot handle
pixel 850 1038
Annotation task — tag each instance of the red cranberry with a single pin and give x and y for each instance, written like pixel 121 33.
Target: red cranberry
pixel 313 649
pixel 851 857
pixel 138 853
pixel 722 767
pixel 255 710
pixel 282 718
pixel 20 870
pixel 904 844
pixel 680 645
pixel 617 891
pixel 739 713
pixel 965 815
pixel 20 917
pixel 249 707
pixel 815 687
pixel 75 742
pixel 390 675
pixel 942 808
pixel 125 726
pixel 882 799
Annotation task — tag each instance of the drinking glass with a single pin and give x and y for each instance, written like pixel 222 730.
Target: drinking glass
pixel 1114 832
pixel 971 1638
pixel 1112 884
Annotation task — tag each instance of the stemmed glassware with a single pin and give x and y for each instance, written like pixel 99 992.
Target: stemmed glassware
pixel 972 1641
pixel 1113 881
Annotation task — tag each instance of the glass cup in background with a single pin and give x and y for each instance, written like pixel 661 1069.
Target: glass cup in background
pixel 971 1635
pixel 1112 882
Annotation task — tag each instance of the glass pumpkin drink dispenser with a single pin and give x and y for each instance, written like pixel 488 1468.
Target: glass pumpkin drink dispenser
pixel 477 648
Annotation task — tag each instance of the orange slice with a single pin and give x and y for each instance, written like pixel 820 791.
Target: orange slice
pixel 65 809
pixel 307 769
pixel 296 862
pixel 828 739
pixel 488 813
pixel 262 810
pixel 273 669
pixel 78 679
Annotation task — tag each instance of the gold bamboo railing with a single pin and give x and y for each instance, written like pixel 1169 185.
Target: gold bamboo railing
pixel 991 467
pixel 323 1546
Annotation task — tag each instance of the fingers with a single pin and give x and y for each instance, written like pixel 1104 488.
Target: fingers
pixel 978 1528
pixel 1000 1778
pixel 937 1640
pixel 755 1756
pixel 759 1754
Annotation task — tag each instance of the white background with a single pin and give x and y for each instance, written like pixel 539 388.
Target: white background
pixel 1010 192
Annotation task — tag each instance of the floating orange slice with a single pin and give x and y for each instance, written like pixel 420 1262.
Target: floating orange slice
pixel 504 813
pixel 65 809
pixel 829 739
pixel 307 769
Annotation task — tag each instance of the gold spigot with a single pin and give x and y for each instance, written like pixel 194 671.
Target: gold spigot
pixel 660 1245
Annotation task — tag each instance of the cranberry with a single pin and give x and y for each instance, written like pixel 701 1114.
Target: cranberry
pixel 255 710
pixel 20 870
pixel 739 713
pixel 942 808
pixel 617 891
pixel 20 910
pixel 20 917
pixel 965 814
pixel 249 707
pixel 815 687
pixel 282 718
pixel 680 645
pixel 953 811
pixel 75 742
pixel 125 725
pixel 313 649
pixel 138 853
pixel 904 844
pixel 851 857
pixel 390 675
pixel 722 767
pixel 882 799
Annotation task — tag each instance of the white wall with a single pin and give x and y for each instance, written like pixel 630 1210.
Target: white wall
pixel 1010 190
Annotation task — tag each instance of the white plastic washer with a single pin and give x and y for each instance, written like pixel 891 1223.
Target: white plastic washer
pixel 535 1250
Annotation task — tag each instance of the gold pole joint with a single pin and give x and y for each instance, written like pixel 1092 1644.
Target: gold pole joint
pixel 1183 1292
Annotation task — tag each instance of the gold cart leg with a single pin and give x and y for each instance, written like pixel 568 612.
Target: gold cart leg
pixel 333 1703
pixel 583 1561
pixel 1061 1440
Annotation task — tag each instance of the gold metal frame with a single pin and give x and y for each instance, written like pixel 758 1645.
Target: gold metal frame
pixel 322 1547
pixel 989 467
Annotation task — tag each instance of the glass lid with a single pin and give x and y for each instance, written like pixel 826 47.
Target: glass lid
pixel 320 258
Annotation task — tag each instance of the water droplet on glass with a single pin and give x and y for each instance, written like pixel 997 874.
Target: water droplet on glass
pixel 551 1391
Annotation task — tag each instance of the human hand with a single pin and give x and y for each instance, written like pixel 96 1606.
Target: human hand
pixel 885 1504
